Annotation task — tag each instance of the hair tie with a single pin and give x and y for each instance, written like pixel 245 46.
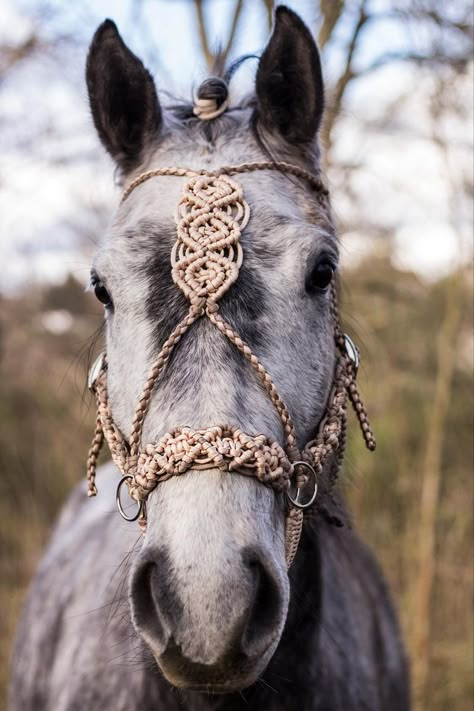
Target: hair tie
pixel 212 99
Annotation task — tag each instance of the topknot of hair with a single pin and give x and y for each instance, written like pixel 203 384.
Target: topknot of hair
pixel 212 98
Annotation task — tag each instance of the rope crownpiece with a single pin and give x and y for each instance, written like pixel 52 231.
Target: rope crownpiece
pixel 205 263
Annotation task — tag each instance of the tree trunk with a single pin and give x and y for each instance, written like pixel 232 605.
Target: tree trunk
pixel 431 484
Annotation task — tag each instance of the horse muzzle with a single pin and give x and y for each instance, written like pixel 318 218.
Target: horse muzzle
pixel 208 629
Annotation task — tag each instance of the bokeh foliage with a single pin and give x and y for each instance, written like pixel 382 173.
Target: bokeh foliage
pixel 47 419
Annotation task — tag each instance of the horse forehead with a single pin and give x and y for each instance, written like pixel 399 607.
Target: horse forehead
pixel 274 202
pixel 278 237
pixel 226 141
pixel 161 194
pixel 277 201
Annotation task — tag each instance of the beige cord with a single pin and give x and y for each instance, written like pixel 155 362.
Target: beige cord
pixel 205 263
pixel 207 109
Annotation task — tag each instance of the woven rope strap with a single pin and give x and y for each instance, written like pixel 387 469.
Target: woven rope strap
pixel 279 166
pixel 221 447
pixel 205 263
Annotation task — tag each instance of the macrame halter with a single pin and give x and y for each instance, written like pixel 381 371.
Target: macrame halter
pixel 205 262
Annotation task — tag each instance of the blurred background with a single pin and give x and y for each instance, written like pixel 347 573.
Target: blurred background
pixel 398 154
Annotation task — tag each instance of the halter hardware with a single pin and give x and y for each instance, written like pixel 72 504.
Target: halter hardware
pixel 352 351
pixel 294 498
pixel 205 263
pixel 140 504
pixel 95 371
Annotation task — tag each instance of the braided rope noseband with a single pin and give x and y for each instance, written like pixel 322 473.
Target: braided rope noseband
pixel 205 263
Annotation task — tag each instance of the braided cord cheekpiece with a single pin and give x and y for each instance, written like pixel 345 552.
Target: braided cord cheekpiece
pixel 205 263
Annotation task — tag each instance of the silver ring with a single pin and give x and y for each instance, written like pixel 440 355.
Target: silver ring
pixel 295 499
pixel 119 501
pixel 95 371
pixel 352 351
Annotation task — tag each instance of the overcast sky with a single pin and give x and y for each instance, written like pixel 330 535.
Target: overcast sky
pixel 54 177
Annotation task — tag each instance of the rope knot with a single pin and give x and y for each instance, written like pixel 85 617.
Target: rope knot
pixel 131 464
pixel 198 305
pixel 223 447
pixel 212 99
pixel 207 255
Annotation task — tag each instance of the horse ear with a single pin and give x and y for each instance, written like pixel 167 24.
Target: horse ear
pixel 122 97
pixel 289 84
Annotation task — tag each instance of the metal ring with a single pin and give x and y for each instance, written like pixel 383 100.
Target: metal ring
pixel 95 371
pixel 352 351
pixel 295 501
pixel 119 502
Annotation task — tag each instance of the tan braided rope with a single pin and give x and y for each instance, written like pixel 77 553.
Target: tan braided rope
pixel 350 375
pixel 288 426
pixel 279 166
pixel 205 263
pixel 163 357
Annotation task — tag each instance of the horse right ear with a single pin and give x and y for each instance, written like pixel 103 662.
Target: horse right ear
pixel 122 97
pixel 289 82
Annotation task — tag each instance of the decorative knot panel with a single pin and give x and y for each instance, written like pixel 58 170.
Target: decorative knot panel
pixel 207 256
pixel 227 448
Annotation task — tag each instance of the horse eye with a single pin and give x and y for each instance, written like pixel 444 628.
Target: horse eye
pixel 320 276
pixel 102 294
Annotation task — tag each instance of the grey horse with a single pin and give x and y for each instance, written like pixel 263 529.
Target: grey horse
pixel 201 612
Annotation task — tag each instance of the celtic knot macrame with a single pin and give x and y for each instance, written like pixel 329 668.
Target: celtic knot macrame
pixel 207 256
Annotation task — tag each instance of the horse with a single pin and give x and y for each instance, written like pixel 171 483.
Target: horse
pixel 202 611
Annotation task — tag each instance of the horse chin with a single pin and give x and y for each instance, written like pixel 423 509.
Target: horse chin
pixel 225 677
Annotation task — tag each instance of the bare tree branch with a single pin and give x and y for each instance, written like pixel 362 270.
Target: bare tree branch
pixel 208 56
pixel 269 5
pixel 458 62
pixel 463 26
pixel 219 56
pixel 331 10
pixel 233 30
pixel 347 75
pixel 10 55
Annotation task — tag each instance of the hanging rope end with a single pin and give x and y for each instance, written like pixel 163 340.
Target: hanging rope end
pixel 92 490
pixel 371 444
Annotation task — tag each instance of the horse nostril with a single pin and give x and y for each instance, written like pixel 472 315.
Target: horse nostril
pixel 145 610
pixel 171 623
pixel 264 613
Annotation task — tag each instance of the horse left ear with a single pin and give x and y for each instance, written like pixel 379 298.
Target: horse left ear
pixel 289 84
pixel 122 96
